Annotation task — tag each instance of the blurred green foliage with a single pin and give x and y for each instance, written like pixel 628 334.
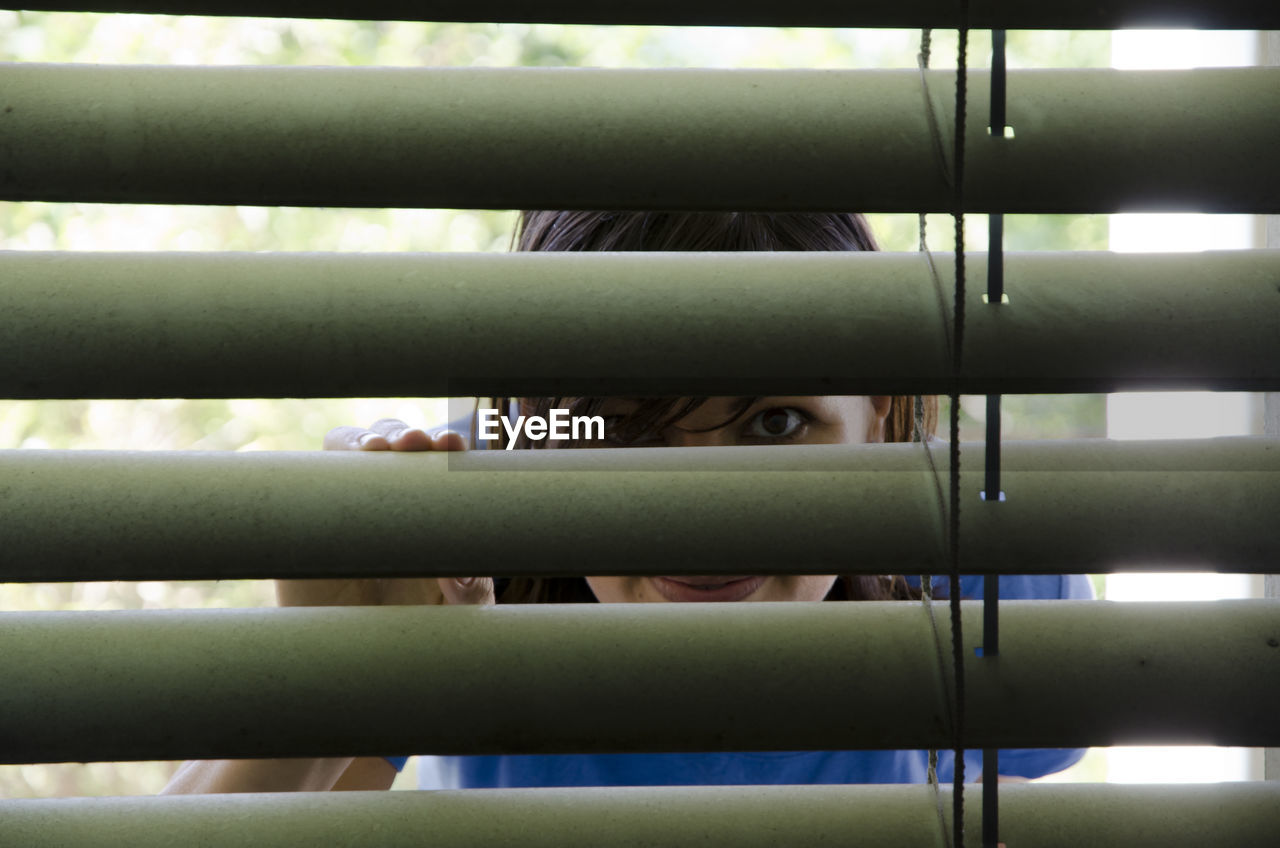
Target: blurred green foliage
pixel 300 424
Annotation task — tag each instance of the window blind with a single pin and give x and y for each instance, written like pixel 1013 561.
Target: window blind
pixel 1175 505
pixel 982 14
pixel 1091 140
pixel 101 686
pixel 295 325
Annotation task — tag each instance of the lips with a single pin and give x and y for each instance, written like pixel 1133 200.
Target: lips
pixel 716 588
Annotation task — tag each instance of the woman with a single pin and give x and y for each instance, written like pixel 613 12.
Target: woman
pixel 649 422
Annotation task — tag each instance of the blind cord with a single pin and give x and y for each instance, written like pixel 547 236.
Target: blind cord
pixel 926 48
pixel 918 429
pixel 944 167
pixel 922 61
pixel 957 643
pixel 991 487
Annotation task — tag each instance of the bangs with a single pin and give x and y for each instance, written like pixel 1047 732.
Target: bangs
pixel 697 231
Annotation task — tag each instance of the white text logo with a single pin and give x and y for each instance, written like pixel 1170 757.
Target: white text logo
pixel 560 425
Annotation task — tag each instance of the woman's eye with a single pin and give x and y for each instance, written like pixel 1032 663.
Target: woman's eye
pixel 783 422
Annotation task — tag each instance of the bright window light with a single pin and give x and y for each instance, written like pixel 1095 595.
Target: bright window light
pixel 1181 415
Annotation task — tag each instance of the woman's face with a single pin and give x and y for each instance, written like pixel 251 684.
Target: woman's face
pixel 811 420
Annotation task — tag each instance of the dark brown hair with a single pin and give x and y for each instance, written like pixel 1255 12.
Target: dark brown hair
pixel 698 231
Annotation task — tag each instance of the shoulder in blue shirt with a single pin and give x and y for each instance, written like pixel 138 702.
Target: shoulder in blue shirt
pixel 801 767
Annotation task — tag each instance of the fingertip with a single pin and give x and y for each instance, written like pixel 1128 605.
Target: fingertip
pixel 448 440
pixel 372 442
pixel 410 439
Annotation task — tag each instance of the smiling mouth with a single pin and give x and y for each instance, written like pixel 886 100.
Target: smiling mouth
pixel 718 588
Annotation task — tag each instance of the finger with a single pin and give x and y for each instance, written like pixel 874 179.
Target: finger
pixel 467 590
pixel 448 440
pixel 354 438
pixel 400 436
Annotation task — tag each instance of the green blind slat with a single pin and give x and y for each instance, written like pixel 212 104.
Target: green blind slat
pixel 1055 816
pixel 1086 140
pixel 325 325
pixel 88 515
pixel 617 678
pixel 983 14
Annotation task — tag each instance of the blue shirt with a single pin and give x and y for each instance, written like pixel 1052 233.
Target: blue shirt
pixel 763 767
pixel 767 767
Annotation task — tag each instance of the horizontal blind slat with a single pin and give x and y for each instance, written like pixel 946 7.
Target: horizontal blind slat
pixel 982 14
pixel 628 677
pixel 538 138
pixel 870 509
pixel 579 324
pixel 1243 815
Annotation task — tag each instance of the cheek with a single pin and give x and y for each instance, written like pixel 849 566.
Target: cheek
pixel 803 588
pixel 618 590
